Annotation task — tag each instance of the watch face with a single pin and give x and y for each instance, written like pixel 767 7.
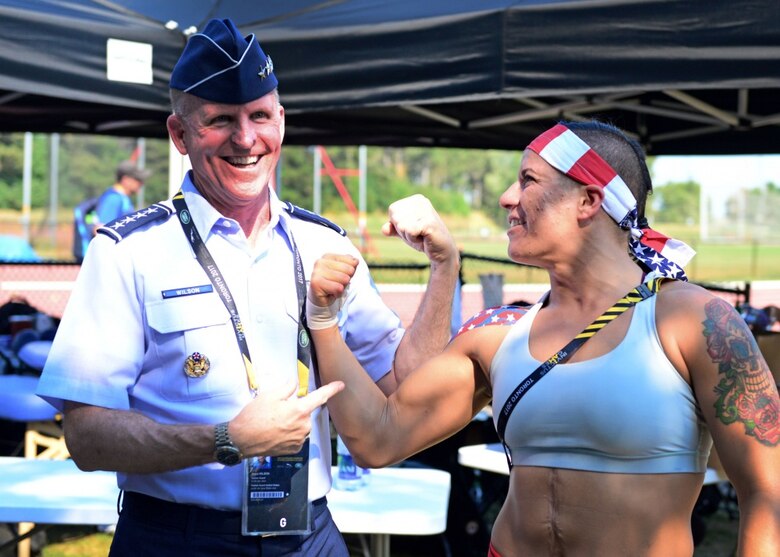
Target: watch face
pixel 228 456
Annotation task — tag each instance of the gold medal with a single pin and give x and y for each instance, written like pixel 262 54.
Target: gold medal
pixel 196 365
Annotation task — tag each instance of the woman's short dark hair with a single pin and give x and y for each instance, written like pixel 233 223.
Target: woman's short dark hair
pixel 622 153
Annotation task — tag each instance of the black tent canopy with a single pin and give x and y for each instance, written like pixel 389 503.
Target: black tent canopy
pixel 53 69
pixel 684 77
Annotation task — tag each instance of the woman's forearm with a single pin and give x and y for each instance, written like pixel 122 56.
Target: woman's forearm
pixel 359 412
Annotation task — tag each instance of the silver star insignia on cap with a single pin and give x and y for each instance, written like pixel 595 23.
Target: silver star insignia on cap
pixel 266 71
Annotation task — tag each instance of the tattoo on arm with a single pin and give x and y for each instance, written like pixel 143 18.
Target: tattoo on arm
pixel 746 391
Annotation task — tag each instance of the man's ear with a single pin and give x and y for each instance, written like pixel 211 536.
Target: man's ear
pixel 591 200
pixel 281 125
pixel 176 132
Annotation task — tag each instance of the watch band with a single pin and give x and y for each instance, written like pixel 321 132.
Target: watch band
pixel 225 451
pixel 221 435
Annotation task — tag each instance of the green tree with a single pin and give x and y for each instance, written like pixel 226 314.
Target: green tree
pixel 460 179
pixel 388 179
pixel 297 175
pixel 676 202
pixel 12 171
pixel 88 165
pixel 456 180
pixel 11 167
pixel 503 171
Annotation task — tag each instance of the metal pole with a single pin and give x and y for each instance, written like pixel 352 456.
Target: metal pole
pixel 54 185
pixel 741 194
pixel 704 213
pixel 178 165
pixel 141 162
pixel 317 186
pixel 362 163
pixel 754 260
pixel 27 186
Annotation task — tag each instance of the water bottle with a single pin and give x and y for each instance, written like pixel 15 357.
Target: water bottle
pixel 349 475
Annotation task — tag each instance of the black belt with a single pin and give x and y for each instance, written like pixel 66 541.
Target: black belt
pixel 181 516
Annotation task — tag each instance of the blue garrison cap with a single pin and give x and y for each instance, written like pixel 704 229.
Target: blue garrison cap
pixel 221 65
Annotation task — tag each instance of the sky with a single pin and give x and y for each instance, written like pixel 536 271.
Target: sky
pixel 721 173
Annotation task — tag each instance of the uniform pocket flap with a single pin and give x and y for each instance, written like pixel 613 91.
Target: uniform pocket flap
pixel 185 313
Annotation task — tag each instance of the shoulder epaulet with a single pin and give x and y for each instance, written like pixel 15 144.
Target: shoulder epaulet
pixel 303 214
pixel 503 315
pixel 124 226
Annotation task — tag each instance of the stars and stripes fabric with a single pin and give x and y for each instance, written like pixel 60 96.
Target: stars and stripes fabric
pixel 562 149
pixel 565 151
pixel 660 253
pixel 502 315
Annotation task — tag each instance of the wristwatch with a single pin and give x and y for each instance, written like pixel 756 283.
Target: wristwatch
pixel 224 450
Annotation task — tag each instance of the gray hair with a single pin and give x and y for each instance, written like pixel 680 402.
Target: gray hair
pixel 182 104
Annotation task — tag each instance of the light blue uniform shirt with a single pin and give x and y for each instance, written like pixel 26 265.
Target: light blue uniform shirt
pixel 121 345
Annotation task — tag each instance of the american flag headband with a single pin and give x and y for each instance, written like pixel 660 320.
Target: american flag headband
pixel 562 149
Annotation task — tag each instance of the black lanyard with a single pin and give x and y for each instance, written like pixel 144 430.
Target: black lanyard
pixel 636 295
pixel 208 264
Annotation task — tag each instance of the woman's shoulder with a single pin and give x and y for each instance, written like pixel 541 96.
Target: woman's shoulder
pixel 675 296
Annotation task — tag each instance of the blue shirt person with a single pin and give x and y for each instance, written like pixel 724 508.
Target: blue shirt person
pixel 178 354
pixel 117 200
pixel 114 203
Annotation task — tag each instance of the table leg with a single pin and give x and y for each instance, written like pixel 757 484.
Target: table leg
pixel 23 535
pixel 380 545
pixel 49 436
pixel 23 549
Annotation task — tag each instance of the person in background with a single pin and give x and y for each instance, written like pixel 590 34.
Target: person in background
pixel 117 201
pixel 607 427
pixel 114 203
pixel 182 356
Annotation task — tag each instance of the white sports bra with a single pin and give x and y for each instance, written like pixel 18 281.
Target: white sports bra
pixel 628 411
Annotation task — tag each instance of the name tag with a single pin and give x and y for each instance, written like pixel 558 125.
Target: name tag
pixel 187 291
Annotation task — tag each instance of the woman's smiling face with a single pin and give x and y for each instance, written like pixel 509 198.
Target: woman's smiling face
pixel 534 223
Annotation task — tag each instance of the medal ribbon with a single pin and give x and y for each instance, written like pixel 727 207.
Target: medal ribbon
pixel 562 149
pixel 211 269
pixel 637 294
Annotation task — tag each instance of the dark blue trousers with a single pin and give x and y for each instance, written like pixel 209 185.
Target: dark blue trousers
pixel 151 527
